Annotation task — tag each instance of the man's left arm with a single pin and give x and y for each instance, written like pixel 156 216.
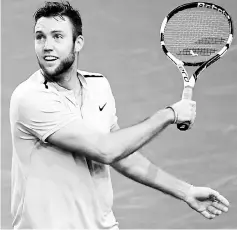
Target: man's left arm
pixel 206 201
pixel 140 169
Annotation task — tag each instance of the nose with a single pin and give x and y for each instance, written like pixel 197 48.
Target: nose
pixel 48 45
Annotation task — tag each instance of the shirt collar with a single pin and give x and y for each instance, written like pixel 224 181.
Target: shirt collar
pixel 79 75
pixel 82 79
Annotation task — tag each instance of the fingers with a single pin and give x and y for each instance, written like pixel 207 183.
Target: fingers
pixel 213 210
pixel 186 111
pixel 192 120
pixel 193 113
pixel 208 215
pixel 208 202
pixel 216 197
pixel 220 206
pixel 193 104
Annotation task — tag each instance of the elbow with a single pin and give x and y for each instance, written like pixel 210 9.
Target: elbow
pixel 110 155
pixel 108 158
pixel 111 151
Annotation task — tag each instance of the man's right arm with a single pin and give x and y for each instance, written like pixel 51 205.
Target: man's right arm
pixel 108 148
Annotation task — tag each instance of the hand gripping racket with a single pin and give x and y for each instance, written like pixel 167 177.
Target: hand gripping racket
pixel 195 34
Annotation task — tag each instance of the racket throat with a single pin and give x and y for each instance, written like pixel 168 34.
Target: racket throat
pixel 188 81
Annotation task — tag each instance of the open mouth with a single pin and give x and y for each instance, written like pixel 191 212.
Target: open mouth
pixel 50 58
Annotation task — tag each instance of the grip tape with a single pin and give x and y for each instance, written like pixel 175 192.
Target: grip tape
pixel 187 95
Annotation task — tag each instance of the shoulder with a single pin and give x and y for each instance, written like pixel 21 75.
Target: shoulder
pixel 31 92
pixel 91 75
pixel 95 79
pixel 27 86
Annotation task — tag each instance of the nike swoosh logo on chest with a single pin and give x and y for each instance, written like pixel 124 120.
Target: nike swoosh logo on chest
pixel 102 107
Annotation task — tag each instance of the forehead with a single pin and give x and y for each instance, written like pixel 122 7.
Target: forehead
pixel 48 24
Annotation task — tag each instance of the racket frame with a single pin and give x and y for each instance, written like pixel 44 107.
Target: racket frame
pixel 189 82
pixel 202 65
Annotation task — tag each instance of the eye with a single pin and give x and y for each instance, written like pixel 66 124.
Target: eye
pixel 39 36
pixel 58 36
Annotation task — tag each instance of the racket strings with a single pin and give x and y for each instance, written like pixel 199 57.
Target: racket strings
pixel 196 34
pixel 197 51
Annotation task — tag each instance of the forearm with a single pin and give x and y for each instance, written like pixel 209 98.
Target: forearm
pixel 107 148
pixel 82 138
pixel 141 170
pixel 123 142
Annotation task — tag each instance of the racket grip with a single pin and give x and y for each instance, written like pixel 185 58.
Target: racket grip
pixel 187 94
pixel 183 126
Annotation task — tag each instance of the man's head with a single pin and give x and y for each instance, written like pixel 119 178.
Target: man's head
pixel 58 36
pixel 60 9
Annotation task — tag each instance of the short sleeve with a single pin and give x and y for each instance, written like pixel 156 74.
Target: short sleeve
pixel 42 113
pixel 111 99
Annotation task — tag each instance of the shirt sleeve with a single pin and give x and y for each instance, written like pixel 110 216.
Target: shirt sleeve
pixel 43 113
pixel 111 99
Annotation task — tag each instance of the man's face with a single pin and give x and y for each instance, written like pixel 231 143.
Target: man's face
pixel 54 45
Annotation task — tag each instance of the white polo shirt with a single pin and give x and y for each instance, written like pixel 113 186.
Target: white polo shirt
pixel 51 188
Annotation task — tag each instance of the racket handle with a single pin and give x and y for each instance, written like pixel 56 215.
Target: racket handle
pixel 187 94
pixel 183 126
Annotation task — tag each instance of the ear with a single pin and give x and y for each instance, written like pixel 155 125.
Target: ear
pixel 79 43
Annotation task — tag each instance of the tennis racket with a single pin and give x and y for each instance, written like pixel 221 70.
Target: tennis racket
pixel 195 34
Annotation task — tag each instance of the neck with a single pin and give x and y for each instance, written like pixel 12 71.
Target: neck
pixel 69 79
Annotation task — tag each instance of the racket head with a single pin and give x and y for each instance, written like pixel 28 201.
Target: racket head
pixel 196 33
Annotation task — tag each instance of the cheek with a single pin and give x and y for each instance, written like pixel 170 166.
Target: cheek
pixel 37 49
pixel 66 48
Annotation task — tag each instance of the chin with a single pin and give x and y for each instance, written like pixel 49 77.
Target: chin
pixel 50 71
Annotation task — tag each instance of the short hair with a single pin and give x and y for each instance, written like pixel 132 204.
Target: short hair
pixel 60 9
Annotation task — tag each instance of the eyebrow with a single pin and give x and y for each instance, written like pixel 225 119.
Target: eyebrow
pixel 52 32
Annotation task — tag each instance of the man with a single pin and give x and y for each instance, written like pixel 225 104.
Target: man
pixel 65 137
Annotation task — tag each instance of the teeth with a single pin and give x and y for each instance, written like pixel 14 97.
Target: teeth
pixel 50 58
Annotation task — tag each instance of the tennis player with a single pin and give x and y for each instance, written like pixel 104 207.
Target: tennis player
pixel 66 137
